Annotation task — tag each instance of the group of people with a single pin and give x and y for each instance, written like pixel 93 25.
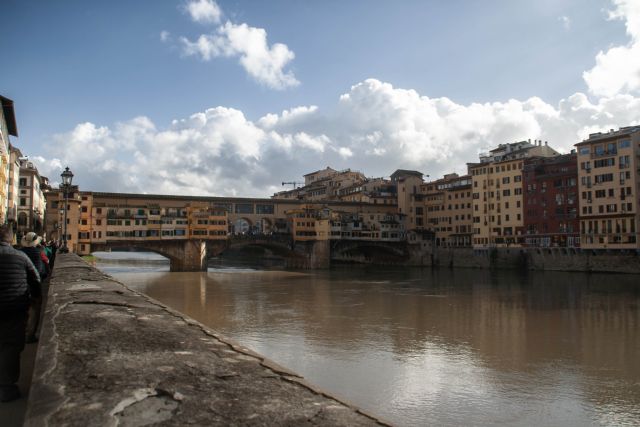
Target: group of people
pixel 22 272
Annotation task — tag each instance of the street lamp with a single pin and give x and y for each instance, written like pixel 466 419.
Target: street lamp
pixel 67 177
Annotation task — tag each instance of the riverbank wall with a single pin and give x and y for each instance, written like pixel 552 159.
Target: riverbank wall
pixel 109 355
pixel 537 259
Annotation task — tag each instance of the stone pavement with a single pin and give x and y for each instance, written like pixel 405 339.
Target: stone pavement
pixel 111 356
pixel 12 413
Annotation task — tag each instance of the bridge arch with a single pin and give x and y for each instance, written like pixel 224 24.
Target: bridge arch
pixel 183 255
pixel 242 225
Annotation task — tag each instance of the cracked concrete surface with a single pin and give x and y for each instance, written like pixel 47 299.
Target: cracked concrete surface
pixel 111 356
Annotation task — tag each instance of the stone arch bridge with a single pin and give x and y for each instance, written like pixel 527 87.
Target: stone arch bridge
pixel 192 255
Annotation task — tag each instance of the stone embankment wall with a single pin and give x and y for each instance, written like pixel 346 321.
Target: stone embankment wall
pixel 554 259
pixel 108 355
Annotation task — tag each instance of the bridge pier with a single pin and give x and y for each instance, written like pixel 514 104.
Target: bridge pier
pixel 192 257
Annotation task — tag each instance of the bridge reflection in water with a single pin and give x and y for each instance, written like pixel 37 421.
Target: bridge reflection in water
pixel 448 347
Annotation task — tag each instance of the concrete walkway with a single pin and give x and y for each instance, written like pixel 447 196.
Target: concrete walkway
pixel 111 356
pixel 12 413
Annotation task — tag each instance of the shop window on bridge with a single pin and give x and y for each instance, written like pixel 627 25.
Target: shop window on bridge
pixel 264 209
pixel 166 233
pixel 244 208
pixel 199 232
pixel 152 233
pixel 179 232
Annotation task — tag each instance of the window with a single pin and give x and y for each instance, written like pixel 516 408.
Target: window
pixel 22 182
pixel 244 208
pixel 584 151
pixel 607 177
pixel 624 143
pixel 264 209
pixel 611 161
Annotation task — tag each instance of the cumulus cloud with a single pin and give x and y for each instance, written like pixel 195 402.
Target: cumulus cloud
pixel 618 69
pixel 566 22
pixel 374 127
pixel 204 11
pixel 265 64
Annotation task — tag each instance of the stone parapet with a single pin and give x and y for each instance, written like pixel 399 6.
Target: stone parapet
pixel 110 356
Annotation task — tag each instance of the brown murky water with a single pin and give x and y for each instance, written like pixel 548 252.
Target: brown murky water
pixel 421 347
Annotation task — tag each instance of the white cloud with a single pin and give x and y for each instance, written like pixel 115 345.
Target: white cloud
pixel 374 127
pixel 566 22
pixel 618 69
pixel 204 11
pixel 165 36
pixel 264 63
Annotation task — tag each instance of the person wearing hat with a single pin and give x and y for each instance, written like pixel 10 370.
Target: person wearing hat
pixel 29 245
pixel 19 284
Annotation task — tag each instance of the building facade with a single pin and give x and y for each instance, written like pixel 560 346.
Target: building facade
pixel 551 201
pixel 7 127
pixel 98 218
pixel 608 172
pixel 498 219
pixel 448 210
pixel 31 200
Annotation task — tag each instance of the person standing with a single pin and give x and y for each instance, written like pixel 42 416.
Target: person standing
pixel 30 245
pixel 19 283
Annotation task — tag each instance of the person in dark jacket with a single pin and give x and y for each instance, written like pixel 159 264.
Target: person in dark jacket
pixel 31 246
pixel 19 283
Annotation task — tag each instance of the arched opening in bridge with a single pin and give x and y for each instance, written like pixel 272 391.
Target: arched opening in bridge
pixel 256 251
pixel 130 259
pixel 242 226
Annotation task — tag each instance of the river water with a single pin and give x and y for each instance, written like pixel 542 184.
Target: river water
pixel 421 347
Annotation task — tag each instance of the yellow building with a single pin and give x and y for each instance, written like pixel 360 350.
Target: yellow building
pixel 206 222
pixel 608 184
pixel 308 223
pixel 448 210
pixel 410 198
pixel 497 193
pixel 7 127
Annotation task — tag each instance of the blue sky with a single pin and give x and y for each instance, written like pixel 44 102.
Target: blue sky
pixel 120 91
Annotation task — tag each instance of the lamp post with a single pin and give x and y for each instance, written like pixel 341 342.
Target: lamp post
pixel 67 177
